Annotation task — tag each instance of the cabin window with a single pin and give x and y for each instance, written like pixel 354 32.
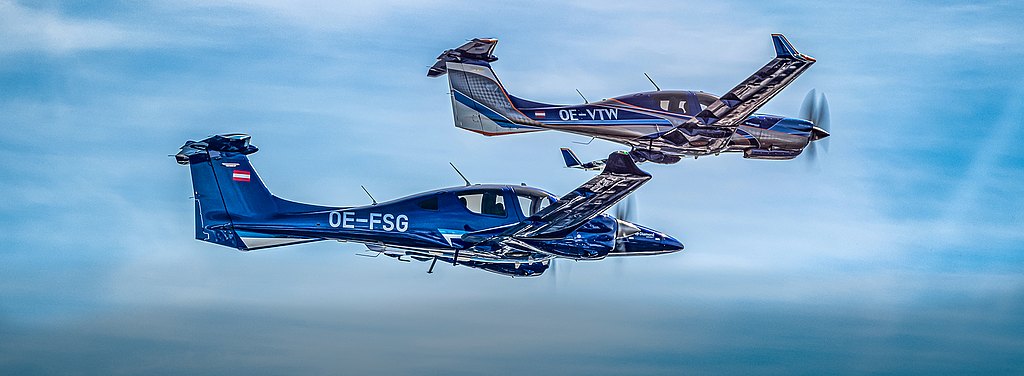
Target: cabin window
pixel 673 104
pixel 490 202
pixel 532 204
pixel 429 204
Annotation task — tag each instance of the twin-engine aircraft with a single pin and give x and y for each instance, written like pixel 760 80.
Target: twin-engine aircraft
pixel 659 126
pixel 506 229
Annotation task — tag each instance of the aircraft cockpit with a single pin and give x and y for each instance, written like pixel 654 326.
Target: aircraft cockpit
pixel 704 99
pixel 678 102
pixel 495 201
pixel 674 102
pixel 532 201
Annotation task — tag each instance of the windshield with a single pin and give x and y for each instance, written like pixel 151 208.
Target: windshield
pixel 532 204
pixel 705 100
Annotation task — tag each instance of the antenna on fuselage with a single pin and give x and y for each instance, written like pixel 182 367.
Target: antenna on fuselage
pixel 652 82
pixel 585 101
pixel 368 194
pixel 460 174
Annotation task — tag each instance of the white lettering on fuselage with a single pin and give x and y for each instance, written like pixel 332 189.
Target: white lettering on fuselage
pixel 573 114
pixel 372 221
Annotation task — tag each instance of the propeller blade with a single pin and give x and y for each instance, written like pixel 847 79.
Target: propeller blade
pixel 626 209
pixel 812 154
pixel 808 105
pixel 815 110
pixel 824 119
pixel 553 270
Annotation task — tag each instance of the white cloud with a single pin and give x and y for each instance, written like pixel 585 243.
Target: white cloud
pixel 328 15
pixel 27 29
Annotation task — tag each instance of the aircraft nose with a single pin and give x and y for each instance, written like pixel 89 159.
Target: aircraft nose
pixel 647 242
pixel 818 133
pixel 671 244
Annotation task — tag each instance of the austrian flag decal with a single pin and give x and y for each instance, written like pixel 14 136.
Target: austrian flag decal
pixel 539 114
pixel 240 175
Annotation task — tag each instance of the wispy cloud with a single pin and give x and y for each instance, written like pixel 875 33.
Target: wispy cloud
pixel 329 15
pixel 27 29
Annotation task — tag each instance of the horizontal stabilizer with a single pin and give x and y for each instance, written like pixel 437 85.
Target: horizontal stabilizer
pixel 477 51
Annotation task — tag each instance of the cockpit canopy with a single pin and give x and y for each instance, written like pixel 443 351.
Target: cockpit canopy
pixel 678 102
pixel 490 200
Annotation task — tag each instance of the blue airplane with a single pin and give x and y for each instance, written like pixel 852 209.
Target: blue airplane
pixel 511 230
pixel 659 126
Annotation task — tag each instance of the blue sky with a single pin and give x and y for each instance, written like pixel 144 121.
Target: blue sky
pixel 901 251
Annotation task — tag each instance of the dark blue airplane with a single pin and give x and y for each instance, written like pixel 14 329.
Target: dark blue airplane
pixel 506 229
pixel 659 126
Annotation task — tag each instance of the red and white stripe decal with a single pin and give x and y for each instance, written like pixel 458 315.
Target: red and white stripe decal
pixel 240 175
pixel 539 114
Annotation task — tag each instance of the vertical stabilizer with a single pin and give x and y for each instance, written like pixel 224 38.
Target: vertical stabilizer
pixel 229 192
pixel 479 101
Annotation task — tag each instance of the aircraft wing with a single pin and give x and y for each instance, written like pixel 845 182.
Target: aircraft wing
pixel 733 108
pixel 620 177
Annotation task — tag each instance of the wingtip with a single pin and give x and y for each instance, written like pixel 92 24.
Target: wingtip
pixel 570 158
pixel 785 49
pixel 621 163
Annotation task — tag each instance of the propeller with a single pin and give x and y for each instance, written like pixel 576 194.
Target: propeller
pixel 553 271
pixel 626 209
pixel 815 110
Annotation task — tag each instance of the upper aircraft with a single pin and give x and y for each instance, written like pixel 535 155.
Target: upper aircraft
pixel 512 230
pixel 661 126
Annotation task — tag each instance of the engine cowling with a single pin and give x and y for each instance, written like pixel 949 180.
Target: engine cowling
pixel 593 240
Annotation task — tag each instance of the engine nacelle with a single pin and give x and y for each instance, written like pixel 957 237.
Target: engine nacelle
pixel 593 240
pixel 776 154
pixel 645 241
pixel 510 269
pixel 641 155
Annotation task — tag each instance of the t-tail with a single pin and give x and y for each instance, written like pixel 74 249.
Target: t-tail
pixel 479 101
pixel 231 200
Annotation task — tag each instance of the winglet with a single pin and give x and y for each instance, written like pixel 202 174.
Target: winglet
pixel 571 160
pixel 784 49
pixel 621 163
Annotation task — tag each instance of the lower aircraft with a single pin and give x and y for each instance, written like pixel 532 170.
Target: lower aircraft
pixel 512 230
pixel 661 126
